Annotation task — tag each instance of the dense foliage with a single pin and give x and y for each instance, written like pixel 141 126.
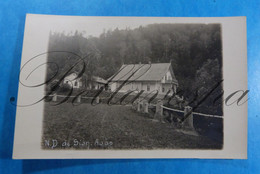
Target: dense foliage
pixel 194 50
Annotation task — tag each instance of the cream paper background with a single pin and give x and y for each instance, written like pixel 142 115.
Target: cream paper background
pixel 28 126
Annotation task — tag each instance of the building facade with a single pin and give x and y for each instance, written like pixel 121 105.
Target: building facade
pixel 73 81
pixel 147 77
pixel 95 83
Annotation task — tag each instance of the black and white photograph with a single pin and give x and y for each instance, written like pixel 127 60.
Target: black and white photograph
pixel 132 87
pixel 135 87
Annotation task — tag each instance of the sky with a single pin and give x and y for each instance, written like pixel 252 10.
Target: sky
pixel 94 26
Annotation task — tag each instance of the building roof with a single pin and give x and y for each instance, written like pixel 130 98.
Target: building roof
pixel 144 72
pixel 73 76
pixel 99 80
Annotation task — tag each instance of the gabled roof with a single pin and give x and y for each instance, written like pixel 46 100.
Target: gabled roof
pixel 144 72
pixel 99 80
pixel 73 76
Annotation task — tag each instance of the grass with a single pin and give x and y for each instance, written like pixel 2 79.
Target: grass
pixel 112 127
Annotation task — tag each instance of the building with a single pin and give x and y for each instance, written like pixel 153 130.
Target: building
pixel 73 81
pixel 147 77
pixel 95 83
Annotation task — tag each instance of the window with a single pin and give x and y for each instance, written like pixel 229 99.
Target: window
pixel 76 83
pixel 148 87
pixel 163 90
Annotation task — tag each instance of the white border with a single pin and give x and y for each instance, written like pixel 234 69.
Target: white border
pixel 29 119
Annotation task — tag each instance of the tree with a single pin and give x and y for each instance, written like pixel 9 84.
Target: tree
pixel 195 51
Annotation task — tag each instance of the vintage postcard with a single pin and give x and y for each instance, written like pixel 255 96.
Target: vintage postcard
pixel 132 87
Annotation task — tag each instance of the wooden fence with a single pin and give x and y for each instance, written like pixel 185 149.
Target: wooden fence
pixel 183 119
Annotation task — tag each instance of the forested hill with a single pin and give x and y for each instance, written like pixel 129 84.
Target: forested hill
pixel 194 50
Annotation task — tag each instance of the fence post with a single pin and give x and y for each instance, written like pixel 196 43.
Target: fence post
pixel 188 122
pixel 159 110
pixel 138 106
pixel 54 98
pixel 158 107
pixel 79 98
pixel 145 106
pixel 97 99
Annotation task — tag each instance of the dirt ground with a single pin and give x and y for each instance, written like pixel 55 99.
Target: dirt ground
pixel 112 127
